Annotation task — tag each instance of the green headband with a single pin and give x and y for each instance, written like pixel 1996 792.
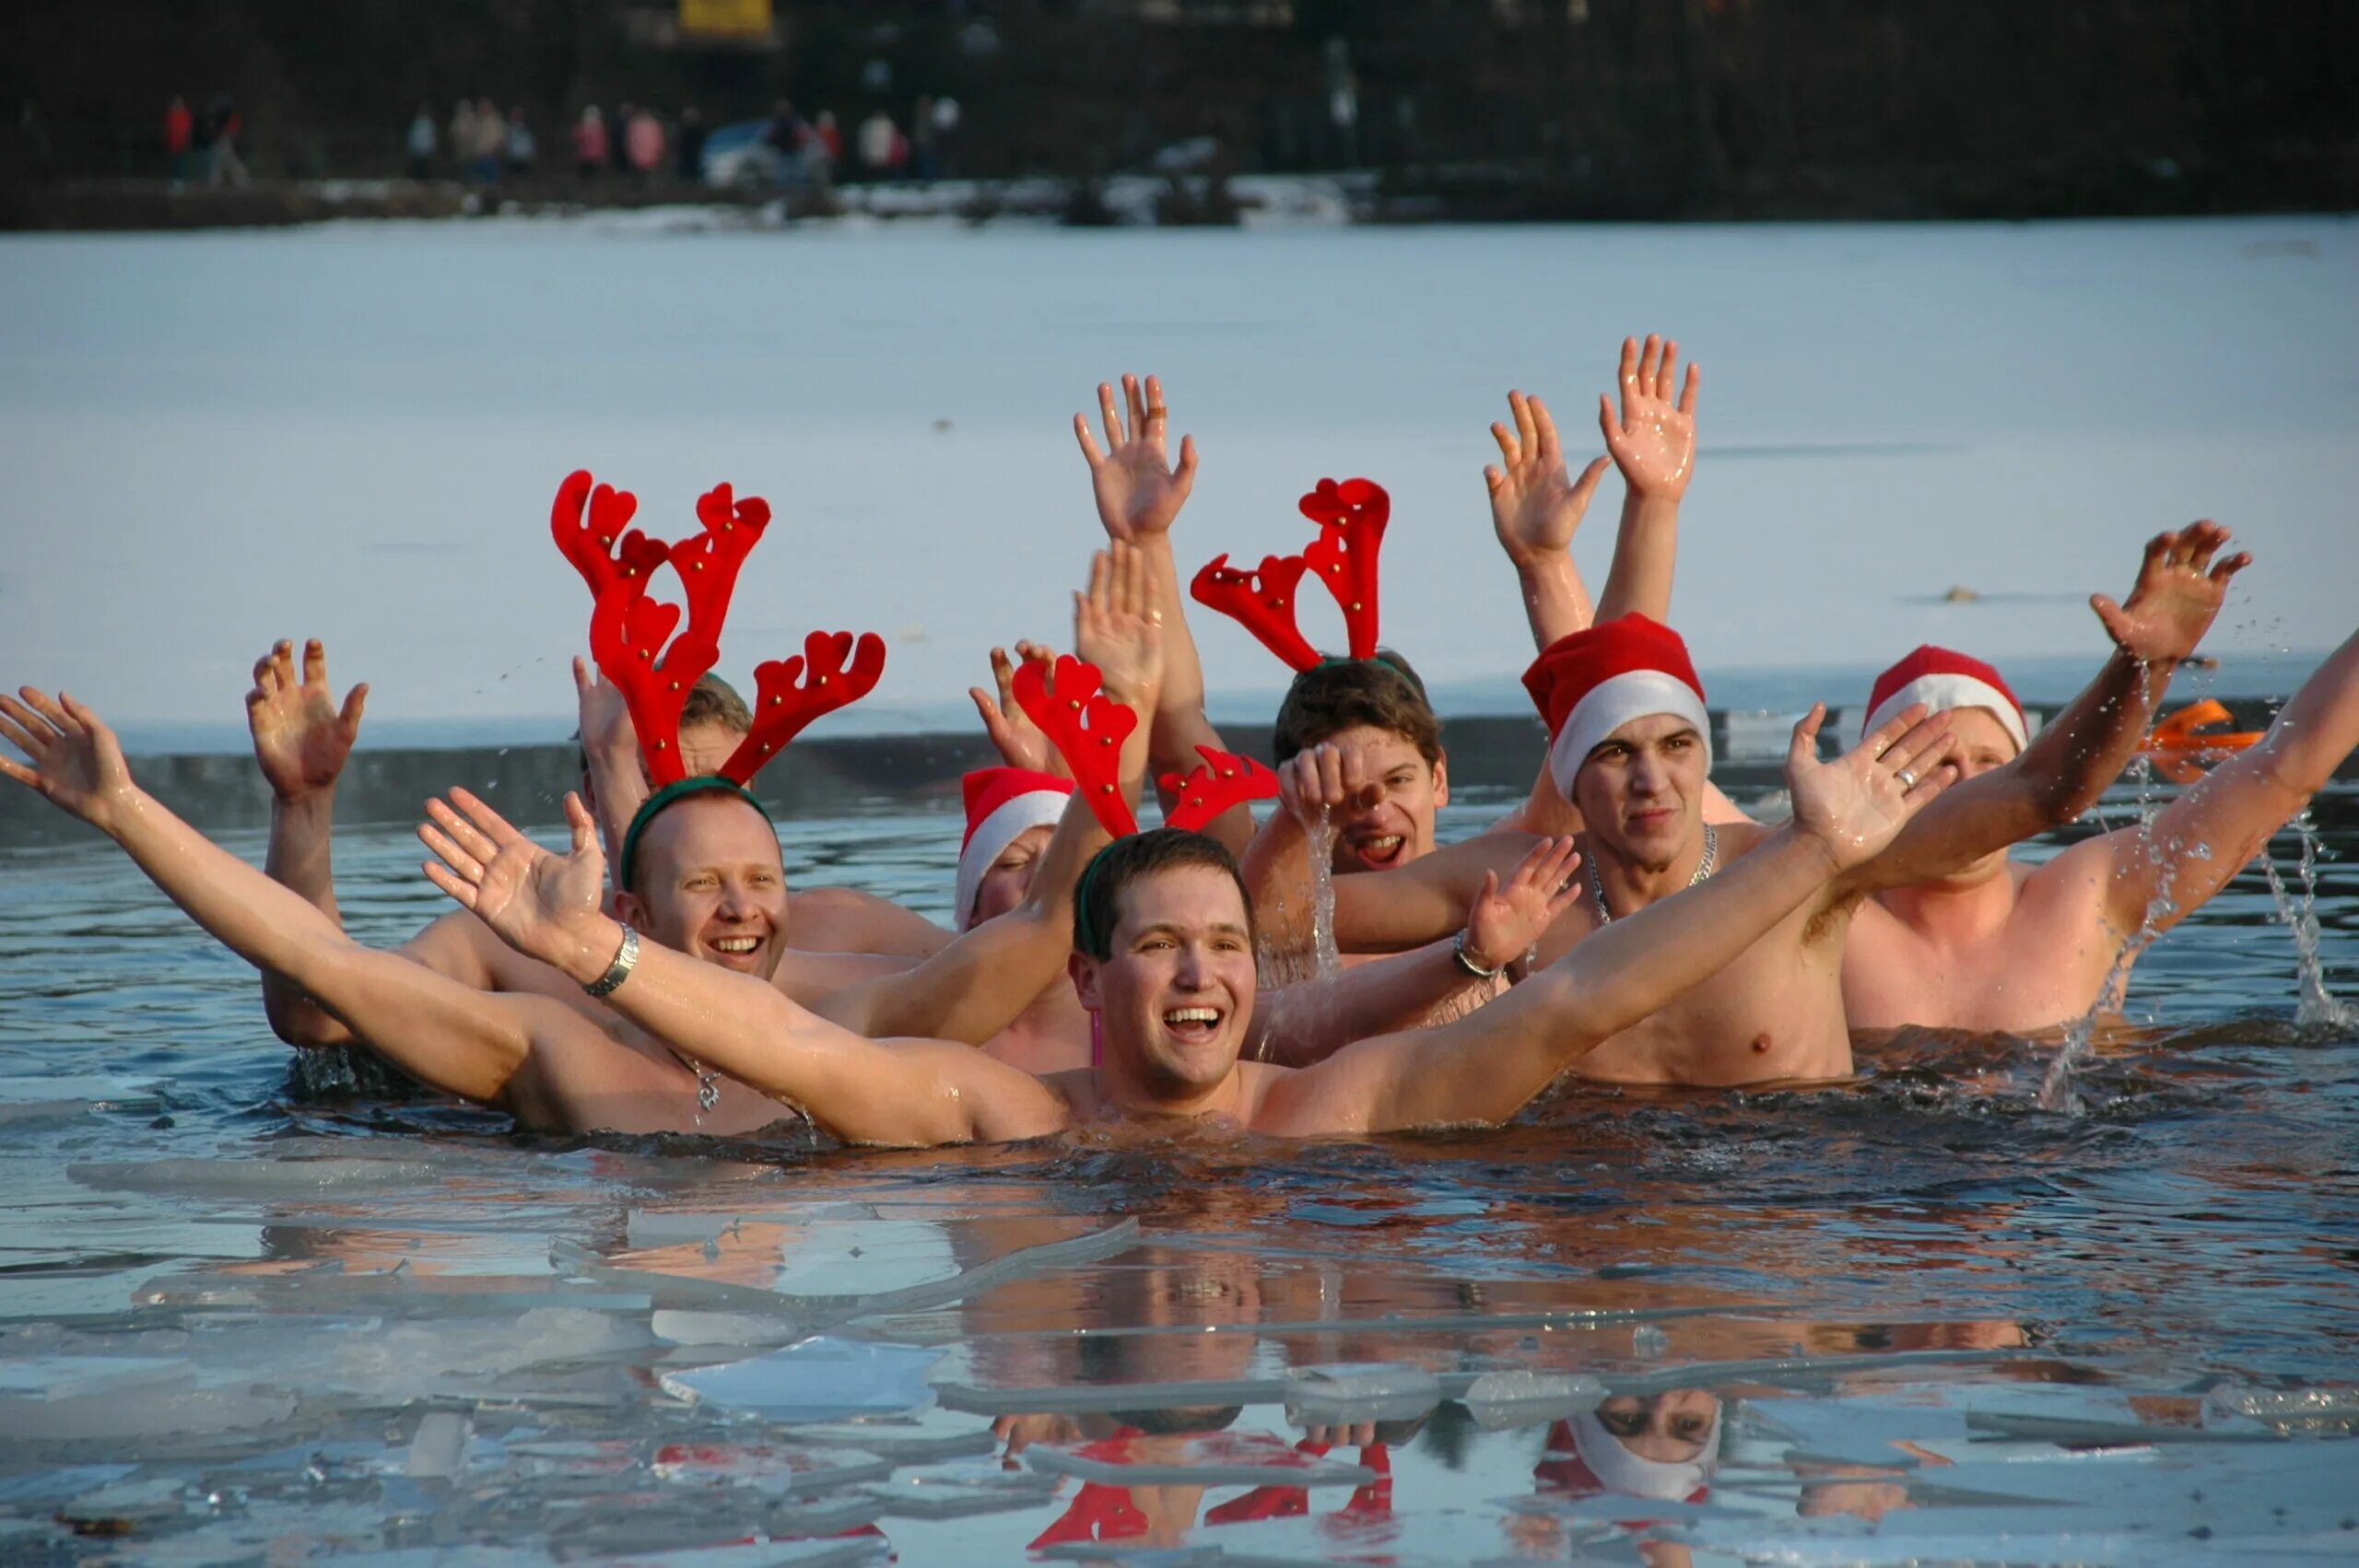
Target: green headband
pixel 679 789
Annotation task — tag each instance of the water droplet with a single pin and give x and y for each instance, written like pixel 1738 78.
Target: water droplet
pixel 1648 1343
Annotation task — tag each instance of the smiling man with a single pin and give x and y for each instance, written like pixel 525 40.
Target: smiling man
pixel 1378 706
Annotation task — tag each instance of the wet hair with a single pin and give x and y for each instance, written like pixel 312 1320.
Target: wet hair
pixel 714 701
pixel 1126 860
pixel 1383 693
pixel 711 701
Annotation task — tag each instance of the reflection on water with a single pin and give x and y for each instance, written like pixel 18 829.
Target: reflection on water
pixel 252 1315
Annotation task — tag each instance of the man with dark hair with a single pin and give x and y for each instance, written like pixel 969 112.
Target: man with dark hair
pixel 1378 707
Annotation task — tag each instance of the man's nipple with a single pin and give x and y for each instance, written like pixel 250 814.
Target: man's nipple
pixel 1761 1044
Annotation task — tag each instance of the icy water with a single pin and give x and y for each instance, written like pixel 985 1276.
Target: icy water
pixel 247 1316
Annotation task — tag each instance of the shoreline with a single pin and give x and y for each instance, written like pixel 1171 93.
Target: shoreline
pixel 1341 199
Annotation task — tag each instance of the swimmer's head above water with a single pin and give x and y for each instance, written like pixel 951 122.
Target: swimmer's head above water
pixel 1163 954
pixel 1631 743
pixel 1378 705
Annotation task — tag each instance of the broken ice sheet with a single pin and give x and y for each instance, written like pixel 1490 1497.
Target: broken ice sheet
pixel 780 1469
pixel 1215 1458
pixel 253 1178
pixel 1515 1398
pixel 50 1378
pixel 1359 1391
pixel 822 1378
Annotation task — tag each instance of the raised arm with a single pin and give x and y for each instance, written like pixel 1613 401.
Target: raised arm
pixel 2166 869
pixel 609 754
pixel 301 737
pixel 456 1039
pixel 1139 492
pixel 911 1092
pixel 1536 508
pixel 1653 440
pixel 978 985
pixel 2072 760
pixel 1297 1025
pixel 1486 1067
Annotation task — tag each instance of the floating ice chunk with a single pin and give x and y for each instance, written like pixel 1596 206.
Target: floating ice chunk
pixel 686 1325
pixel 960 1494
pixel 411 1356
pixel 1648 1343
pixel 157 1497
pixel 783 1469
pixel 51 1378
pixel 872 1259
pixel 253 1178
pixel 143 1413
pixel 925 1438
pixel 440 1449
pixel 1100 1399
pixel 43 1489
pixel 821 1379
pixel 1510 1399
pixel 1228 1458
pixel 1359 1391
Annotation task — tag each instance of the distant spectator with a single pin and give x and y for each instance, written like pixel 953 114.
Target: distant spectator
pixel 881 147
pixel 831 136
pixel 491 140
pixel 590 143
pixel 420 144
pixel 461 136
pixel 945 136
pixel 618 135
pixel 687 151
pixel 643 144
pixel 921 160
pixel 822 151
pixel 225 167
pixel 180 134
pixel 521 151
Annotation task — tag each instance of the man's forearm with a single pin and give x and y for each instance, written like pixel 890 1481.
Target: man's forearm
pixel 1300 1025
pixel 2319 727
pixel 300 859
pixel 621 790
pixel 1646 552
pixel 2079 753
pixel 1555 600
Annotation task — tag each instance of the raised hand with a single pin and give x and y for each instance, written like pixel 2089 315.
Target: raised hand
pixel 1138 490
pixel 1504 921
pixel 1116 627
pixel 1857 803
pixel 76 761
pixel 301 736
pixel 2178 593
pixel 1653 438
pixel 605 717
pixel 540 904
pixel 1011 730
pixel 1536 504
pixel 1327 779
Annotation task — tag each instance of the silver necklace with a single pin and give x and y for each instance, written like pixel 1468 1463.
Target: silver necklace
pixel 1703 869
pixel 708 1083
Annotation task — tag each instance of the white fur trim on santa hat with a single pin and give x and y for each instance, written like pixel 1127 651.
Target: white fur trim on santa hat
pixel 1036 808
pixel 1942 693
pixel 1634 1475
pixel 1612 703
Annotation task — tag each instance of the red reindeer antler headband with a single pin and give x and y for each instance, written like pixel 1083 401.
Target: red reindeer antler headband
pixel 630 633
pixel 1223 780
pixel 1087 727
pixel 1351 518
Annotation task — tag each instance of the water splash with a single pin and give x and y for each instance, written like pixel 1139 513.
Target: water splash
pixel 1328 961
pixel 2059 1091
pixel 2316 1009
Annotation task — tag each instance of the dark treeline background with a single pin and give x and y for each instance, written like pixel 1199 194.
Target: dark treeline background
pixel 1474 108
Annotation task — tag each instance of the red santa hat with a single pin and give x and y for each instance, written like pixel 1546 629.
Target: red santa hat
pixel 1583 1459
pixel 1001 804
pixel 1590 684
pixel 1943 679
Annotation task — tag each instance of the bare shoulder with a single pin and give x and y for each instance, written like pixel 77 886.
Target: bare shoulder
pixel 1737 837
pixel 461 947
pixel 844 919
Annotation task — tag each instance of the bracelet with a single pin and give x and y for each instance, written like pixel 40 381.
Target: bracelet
pixel 1458 951
pixel 625 960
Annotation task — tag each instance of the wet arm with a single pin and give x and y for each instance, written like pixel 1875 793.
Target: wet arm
pixel 300 860
pixel 1296 1025
pixel 2215 827
pixel 456 1039
pixel 1487 1066
pixel 981 983
pixel 907 1091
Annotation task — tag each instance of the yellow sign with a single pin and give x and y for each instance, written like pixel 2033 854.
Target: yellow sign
pixel 726 18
